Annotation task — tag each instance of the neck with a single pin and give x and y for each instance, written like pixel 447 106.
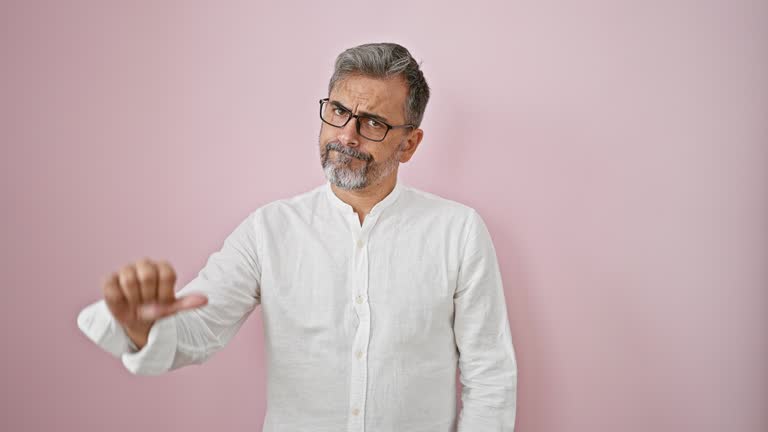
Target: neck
pixel 363 200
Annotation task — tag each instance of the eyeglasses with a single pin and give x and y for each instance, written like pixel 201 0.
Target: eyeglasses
pixel 368 126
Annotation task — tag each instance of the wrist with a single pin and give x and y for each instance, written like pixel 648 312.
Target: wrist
pixel 139 333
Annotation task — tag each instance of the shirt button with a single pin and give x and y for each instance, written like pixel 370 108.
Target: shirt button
pixel 359 354
pixel 360 299
pixel 360 244
pixel 355 411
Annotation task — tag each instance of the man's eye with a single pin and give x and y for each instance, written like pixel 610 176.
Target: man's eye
pixel 373 123
pixel 339 111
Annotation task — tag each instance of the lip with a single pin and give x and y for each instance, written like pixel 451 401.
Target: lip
pixel 344 155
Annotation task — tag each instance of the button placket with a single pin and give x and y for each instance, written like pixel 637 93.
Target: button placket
pixel 359 366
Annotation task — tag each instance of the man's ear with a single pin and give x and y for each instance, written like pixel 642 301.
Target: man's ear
pixel 414 138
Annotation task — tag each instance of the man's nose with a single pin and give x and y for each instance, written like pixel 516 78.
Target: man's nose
pixel 348 134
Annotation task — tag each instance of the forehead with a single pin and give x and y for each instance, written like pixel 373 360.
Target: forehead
pixel 385 97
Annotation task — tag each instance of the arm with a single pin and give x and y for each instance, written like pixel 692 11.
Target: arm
pixel 487 364
pixel 231 281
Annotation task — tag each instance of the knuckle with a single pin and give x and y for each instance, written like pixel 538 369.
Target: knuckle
pixel 166 273
pixel 146 272
pixel 144 262
pixel 108 280
pixel 127 277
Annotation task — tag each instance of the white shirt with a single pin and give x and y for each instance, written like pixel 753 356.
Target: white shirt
pixel 364 325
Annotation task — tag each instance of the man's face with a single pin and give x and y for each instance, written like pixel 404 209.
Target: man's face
pixel 351 161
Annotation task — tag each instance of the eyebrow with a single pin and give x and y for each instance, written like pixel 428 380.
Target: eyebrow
pixel 362 113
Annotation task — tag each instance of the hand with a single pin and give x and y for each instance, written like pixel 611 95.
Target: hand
pixel 143 292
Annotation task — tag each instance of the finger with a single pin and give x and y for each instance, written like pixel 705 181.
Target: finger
pixel 157 311
pixel 130 285
pixel 166 283
pixel 191 301
pixel 112 292
pixel 146 273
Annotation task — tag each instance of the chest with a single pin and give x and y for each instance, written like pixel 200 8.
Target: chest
pixel 404 270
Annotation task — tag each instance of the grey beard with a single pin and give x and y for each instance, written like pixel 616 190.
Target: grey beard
pixel 345 177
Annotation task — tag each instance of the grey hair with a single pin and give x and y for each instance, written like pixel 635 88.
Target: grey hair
pixel 386 60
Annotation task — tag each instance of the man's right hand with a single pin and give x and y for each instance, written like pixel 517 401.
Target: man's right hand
pixel 141 293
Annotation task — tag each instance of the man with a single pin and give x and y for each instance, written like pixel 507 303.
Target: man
pixel 372 292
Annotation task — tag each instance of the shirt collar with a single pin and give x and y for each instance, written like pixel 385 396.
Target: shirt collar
pixel 381 205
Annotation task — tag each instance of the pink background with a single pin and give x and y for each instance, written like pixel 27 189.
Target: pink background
pixel 617 150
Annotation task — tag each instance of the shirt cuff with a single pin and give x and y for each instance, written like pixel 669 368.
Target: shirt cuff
pixel 156 357
pixel 98 324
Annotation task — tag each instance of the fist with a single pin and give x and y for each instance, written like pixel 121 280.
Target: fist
pixel 143 292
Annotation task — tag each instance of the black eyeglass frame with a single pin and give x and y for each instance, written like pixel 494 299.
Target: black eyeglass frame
pixel 357 123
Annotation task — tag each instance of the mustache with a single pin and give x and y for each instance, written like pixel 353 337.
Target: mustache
pixel 335 145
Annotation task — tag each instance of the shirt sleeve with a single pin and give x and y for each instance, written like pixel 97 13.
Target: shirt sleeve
pixel 231 281
pixel 487 363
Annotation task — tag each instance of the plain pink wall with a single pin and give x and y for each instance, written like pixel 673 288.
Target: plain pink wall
pixel 617 150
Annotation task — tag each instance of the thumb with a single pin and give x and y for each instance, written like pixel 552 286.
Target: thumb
pixel 154 311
